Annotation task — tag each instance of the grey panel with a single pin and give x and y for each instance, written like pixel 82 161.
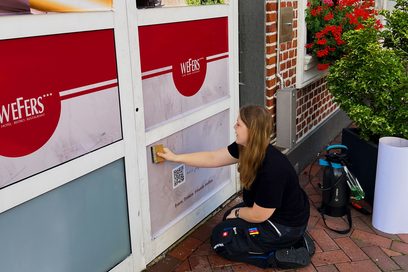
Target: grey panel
pixel 252 52
pixel 81 226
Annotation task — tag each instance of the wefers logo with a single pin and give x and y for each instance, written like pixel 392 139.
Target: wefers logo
pixel 189 75
pixel 27 121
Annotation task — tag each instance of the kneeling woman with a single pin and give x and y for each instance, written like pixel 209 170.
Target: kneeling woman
pixel 268 228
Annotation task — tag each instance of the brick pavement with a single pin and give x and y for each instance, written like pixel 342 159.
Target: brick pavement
pixel 363 249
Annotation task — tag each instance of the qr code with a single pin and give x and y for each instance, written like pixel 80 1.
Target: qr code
pixel 179 175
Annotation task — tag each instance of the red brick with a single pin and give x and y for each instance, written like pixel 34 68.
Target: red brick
pixel 366 266
pixel 270 72
pixel 400 247
pixel 271 6
pixel 380 258
pixel 327 268
pixel 270 61
pixel 271 39
pixel 329 257
pixel 363 238
pixel 199 263
pixel 351 249
pixel 271 17
pixel 185 248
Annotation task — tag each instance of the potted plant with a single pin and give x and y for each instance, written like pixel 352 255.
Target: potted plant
pixel 326 22
pixel 370 84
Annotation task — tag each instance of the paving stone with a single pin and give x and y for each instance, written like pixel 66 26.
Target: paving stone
pixel 351 249
pixel 310 190
pixel 402 261
pixel 360 224
pixel 167 264
pixel 337 223
pixel 312 222
pixel 314 211
pixel 250 268
pixel 327 268
pixel 183 267
pixel 204 249
pixel 363 266
pixel 324 240
pixel 400 247
pixel 363 238
pixel 329 257
pixel 199 263
pixel 203 232
pixel 403 237
pixel 309 268
pixel 218 261
pixel 387 235
pixel 380 258
pixel 316 199
pixel 390 253
pixel 185 248
pixel 223 269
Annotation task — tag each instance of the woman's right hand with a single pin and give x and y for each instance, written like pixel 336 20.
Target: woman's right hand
pixel 167 154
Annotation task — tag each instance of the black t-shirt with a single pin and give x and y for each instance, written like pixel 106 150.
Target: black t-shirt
pixel 276 185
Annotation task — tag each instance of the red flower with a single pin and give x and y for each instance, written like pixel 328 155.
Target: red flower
pixel 309 45
pixel 323 53
pixel 316 11
pixel 378 25
pixel 327 20
pixel 359 26
pixel 328 17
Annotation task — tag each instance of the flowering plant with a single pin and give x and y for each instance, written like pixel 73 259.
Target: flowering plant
pixel 327 20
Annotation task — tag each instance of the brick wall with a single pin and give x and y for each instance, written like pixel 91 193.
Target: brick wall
pixel 313 105
pixel 314 102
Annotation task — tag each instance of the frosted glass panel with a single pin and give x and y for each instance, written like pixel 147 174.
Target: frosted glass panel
pixel 81 226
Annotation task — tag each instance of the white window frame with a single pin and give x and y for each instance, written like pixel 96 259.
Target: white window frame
pixel 304 77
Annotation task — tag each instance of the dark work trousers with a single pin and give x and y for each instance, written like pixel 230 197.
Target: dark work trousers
pixel 253 243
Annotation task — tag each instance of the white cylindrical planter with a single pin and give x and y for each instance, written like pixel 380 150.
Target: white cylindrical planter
pixel 391 186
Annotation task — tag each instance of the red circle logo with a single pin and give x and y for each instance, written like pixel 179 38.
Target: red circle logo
pixel 27 121
pixel 189 75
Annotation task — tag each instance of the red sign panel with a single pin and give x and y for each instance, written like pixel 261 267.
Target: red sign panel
pixel 44 82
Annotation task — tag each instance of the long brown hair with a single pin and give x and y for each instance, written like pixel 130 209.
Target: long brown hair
pixel 259 123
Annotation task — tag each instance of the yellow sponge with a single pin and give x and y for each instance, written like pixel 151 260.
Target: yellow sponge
pixel 154 150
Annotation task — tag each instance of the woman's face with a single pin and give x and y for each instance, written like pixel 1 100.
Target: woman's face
pixel 241 132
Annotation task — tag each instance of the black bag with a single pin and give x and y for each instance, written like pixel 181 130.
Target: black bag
pixel 335 190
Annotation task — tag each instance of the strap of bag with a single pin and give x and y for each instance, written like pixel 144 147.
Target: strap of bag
pixel 339 231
